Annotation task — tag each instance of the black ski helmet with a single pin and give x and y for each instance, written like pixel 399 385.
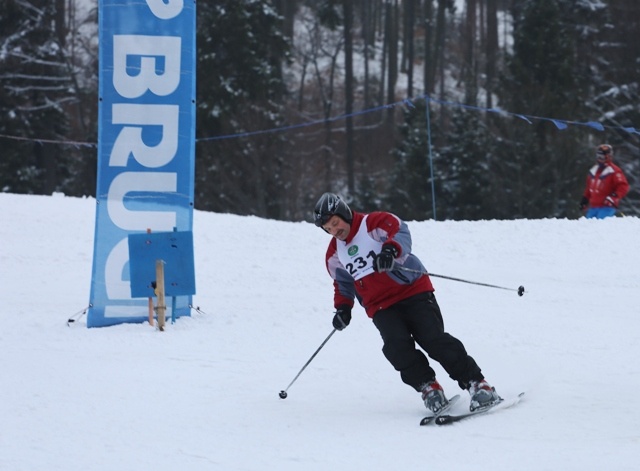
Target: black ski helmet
pixel 329 205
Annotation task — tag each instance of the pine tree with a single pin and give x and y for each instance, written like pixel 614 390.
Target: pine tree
pixel 466 161
pixel 611 60
pixel 537 163
pixel 410 193
pixel 241 48
pixel 34 88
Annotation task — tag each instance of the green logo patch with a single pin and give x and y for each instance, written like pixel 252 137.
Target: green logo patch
pixel 353 250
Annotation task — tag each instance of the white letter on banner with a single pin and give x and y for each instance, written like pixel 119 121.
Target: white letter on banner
pixel 132 220
pixel 129 140
pixel 115 286
pixel 165 10
pixel 150 49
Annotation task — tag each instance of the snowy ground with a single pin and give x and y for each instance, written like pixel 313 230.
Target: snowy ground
pixel 203 395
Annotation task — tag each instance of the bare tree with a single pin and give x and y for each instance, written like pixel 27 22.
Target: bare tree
pixel 318 49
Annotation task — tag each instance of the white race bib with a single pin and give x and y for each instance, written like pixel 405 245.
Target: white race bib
pixel 358 255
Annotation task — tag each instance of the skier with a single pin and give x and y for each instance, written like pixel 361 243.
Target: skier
pixel 606 186
pixel 366 258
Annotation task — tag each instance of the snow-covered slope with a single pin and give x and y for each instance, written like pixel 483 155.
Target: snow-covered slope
pixel 203 395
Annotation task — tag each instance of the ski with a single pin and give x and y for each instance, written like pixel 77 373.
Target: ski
pixel 445 419
pixel 429 419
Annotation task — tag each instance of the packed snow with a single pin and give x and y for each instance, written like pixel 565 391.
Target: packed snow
pixel 203 394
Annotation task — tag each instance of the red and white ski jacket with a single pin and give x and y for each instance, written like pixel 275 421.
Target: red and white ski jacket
pixel 605 180
pixel 350 264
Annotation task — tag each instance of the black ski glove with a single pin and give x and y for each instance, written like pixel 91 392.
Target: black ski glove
pixel 384 260
pixel 584 202
pixel 342 317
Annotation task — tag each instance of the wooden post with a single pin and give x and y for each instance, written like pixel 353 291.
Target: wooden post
pixel 150 298
pixel 150 311
pixel 160 293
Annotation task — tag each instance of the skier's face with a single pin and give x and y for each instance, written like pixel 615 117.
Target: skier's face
pixel 337 227
pixel 603 154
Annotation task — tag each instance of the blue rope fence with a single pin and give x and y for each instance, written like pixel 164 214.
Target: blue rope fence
pixel 560 124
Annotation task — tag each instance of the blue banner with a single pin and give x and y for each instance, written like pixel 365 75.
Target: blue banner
pixel 146 142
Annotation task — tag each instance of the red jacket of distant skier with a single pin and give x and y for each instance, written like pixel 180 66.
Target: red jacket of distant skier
pixel 377 291
pixel 605 180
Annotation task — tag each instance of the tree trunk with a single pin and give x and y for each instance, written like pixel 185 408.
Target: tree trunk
pixel 469 67
pixel 491 49
pixel 383 60
pixel 286 9
pixel 367 28
pixel 409 37
pixel 392 29
pixel 428 47
pixel 348 79
pixel 437 63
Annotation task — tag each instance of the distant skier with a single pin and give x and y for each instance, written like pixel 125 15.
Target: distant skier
pixel 606 186
pixel 364 259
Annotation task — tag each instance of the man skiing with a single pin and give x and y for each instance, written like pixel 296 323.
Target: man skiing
pixel 606 186
pixel 369 258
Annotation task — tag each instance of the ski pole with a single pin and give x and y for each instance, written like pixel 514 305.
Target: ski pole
pixel 283 393
pixel 520 290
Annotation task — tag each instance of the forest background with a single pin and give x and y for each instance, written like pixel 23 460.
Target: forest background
pixel 434 109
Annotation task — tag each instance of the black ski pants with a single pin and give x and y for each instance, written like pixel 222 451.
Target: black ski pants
pixel 418 320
